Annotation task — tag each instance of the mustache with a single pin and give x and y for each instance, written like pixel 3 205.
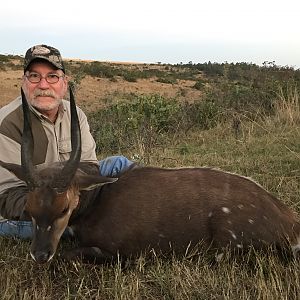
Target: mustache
pixel 44 93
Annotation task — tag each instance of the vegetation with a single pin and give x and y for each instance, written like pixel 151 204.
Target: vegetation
pixel 247 122
pixel 260 276
pixel 10 61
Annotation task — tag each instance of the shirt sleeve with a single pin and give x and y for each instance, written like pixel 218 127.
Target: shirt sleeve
pixel 12 204
pixel 10 152
pixel 12 190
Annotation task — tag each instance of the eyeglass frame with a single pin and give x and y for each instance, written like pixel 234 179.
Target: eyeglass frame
pixel 43 77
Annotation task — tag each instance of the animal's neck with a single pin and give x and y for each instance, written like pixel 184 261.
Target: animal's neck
pixel 85 205
pixel 87 198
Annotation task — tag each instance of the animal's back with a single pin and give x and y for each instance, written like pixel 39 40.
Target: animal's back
pixel 156 208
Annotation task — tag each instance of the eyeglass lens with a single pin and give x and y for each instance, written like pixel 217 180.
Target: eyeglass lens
pixel 36 78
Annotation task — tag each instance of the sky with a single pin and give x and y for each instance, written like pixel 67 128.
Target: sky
pixel 166 31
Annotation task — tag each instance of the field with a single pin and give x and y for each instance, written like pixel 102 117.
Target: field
pixel 240 118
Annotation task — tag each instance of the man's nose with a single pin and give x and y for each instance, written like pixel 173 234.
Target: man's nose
pixel 43 84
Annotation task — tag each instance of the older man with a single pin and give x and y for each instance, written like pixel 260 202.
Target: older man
pixel 45 84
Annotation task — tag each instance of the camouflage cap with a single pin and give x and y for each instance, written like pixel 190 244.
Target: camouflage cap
pixel 45 52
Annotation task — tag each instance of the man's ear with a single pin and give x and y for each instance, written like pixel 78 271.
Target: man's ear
pixel 13 168
pixel 90 182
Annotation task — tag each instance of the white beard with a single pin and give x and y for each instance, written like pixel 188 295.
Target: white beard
pixel 41 106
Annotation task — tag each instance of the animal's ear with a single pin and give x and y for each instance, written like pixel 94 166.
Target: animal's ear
pixel 13 168
pixel 90 182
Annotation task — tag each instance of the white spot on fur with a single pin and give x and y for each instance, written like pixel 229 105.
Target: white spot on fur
pixel 250 221
pixel 232 234
pixel 229 222
pixel 161 235
pixel 240 206
pixel 253 205
pixel 239 246
pixel 226 210
pixel 265 217
pixel 210 214
pixel 219 257
pixel 97 250
pixel 71 231
pixel 296 247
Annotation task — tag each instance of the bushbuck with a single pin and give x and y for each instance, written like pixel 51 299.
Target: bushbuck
pixel 146 207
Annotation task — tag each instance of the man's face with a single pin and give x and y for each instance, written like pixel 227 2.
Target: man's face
pixel 42 95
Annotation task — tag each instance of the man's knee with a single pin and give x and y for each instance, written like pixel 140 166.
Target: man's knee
pixel 114 165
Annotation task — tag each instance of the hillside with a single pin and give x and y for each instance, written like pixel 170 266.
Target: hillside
pixel 93 91
pixel 101 83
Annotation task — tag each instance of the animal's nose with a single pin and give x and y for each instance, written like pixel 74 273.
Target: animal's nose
pixel 41 256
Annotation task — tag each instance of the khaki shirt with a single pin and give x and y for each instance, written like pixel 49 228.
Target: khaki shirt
pixel 52 141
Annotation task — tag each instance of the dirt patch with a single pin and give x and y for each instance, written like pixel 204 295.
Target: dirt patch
pixel 99 91
pixel 10 83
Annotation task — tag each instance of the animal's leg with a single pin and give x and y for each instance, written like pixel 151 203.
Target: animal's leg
pixel 89 254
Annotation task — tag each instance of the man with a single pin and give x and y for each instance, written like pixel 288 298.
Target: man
pixel 45 84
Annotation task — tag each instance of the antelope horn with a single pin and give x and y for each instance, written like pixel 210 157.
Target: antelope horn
pixel 61 182
pixel 27 146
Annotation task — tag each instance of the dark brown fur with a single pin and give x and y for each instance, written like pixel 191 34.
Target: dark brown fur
pixel 158 208
pixel 153 208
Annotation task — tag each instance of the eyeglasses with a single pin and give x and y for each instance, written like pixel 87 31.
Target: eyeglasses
pixel 36 77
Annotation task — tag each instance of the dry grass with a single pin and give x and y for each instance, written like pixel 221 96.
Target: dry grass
pixel 10 83
pixel 254 276
pixel 287 107
pixel 264 155
pixel 93 93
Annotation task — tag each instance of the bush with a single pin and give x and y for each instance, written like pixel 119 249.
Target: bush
pixel 144 122
pixel 99 69
pixel 130 76
pixel 136 125
pixel 199 85
pixel 167 79
pixel 203 114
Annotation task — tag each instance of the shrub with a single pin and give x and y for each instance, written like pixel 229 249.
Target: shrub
pixel 136 125
pixel 203 114
pixel 75 81
pixel 99 69
pixel 167 79
pixel 199 85
pixel 130 76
